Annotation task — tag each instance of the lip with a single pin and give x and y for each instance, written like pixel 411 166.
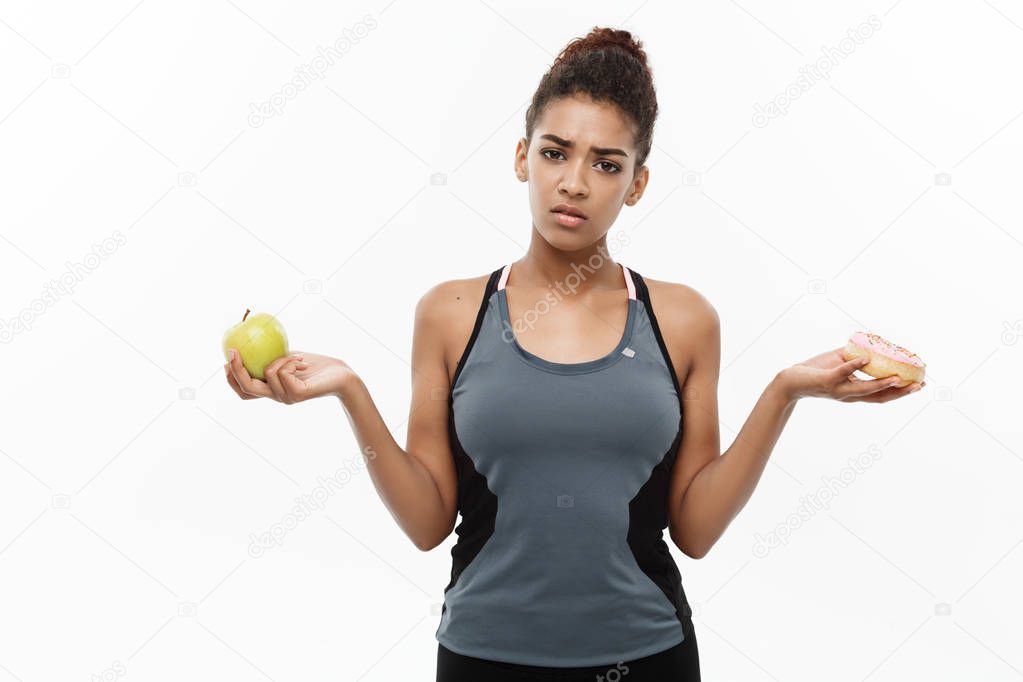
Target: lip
pixel 569 209
pixel 566 220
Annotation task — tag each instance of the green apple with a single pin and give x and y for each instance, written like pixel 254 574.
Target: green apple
pixel 259 340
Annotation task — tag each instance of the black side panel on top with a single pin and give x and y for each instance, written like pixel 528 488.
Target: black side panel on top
pixel 648 510
pixel 648 516
pixel 643 294
pixel 480 312
pixel 476 502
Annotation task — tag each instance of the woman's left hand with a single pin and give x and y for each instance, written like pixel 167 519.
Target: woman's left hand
pixel 828 375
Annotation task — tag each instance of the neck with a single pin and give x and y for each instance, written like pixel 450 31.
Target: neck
pixel 544 266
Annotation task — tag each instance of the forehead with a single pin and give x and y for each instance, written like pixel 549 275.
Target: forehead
pixel 586 122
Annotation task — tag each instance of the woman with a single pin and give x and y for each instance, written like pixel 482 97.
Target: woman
pixel 566 459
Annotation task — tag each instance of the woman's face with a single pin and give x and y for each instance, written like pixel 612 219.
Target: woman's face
pixel 583 155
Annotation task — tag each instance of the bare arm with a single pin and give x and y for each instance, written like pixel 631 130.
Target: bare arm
pixel 708 490
pixel 417 484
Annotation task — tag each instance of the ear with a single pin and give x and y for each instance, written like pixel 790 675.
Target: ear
pixel 638 186
pixel 521 168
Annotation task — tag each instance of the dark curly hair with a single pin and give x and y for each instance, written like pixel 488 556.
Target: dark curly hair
pixel 609 65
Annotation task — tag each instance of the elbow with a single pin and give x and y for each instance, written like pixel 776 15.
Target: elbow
pixel 433 534
pixel 690 550
pixel 425 544
pixel 696 554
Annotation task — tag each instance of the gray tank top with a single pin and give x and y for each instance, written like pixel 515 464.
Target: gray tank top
pixel 563 472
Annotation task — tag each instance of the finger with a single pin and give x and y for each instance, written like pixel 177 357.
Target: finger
pixel 234 384
pixel 858 389
pixel 300 356
pixel 890 394
pixel 276 364
pixel 846 369
pixel 249 386
pixel 273 379
pixel 292 384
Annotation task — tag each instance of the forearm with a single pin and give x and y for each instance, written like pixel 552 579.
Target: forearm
pixel 402 482
pixel 720 490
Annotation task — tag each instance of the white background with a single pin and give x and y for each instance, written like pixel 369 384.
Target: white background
pixel 131 477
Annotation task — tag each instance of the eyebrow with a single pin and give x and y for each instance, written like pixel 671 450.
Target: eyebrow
pixel 601 151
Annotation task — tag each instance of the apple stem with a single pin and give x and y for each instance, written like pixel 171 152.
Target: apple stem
pixel 247 311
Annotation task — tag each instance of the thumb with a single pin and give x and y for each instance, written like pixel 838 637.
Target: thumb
pixel 848 367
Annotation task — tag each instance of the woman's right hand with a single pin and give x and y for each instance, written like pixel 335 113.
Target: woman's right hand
pixel 290 379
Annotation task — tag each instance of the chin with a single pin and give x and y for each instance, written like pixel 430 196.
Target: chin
pixel 567 240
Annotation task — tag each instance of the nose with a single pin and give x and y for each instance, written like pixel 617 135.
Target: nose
pixel 573 181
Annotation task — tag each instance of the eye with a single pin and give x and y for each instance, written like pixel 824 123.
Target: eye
pixel 608 166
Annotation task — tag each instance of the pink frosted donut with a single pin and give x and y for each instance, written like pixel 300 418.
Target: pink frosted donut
pixel 886 358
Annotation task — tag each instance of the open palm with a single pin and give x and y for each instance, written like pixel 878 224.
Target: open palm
pixel 829 375
pixel 290 379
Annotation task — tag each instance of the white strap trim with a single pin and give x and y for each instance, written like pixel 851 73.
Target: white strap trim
pixel 629 283
pixel 504 277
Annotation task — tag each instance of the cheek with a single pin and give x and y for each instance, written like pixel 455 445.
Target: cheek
pixel 539 171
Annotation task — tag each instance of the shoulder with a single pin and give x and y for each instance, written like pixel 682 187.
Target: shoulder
pixel 446 315
pixel 682 306
pixel 451 298
pixel 688 321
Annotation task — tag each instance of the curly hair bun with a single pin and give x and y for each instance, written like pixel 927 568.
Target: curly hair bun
pixel 605 37
pixel 608 65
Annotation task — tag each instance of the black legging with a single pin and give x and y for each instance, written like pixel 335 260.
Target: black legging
pixel 680 663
